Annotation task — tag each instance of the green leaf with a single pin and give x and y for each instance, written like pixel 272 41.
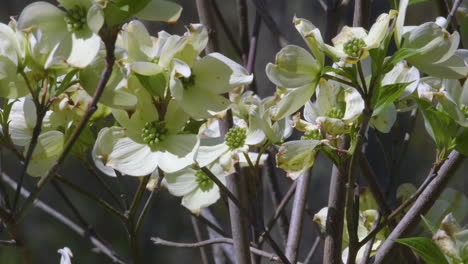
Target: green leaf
pixel 398 56
pixel 439 125
pixel 154 84
pixel 461 142
pixel 425 248
pixel 386 95
pixel 193 126
pixel 65 84
pixel 429 225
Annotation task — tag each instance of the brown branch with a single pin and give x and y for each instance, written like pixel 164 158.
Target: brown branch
pixel 8 243
pixel 162 242
pixel 335 216
pixel 422 204
pixel 295 227
pixel 201 234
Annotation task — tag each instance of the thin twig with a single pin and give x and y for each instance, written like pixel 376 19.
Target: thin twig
pixel 89 228
pixel 109 36
pixel 91 196
pixel 369 245
pixel 162 242
pixel 150 200
pixel 138 195
pixel 295 227
pixel 101 181
pixel 451 16
pixel 312 250
pixel 422 204
pixel 280 209
pixel 67 222
pixel 200 234
pixel 277 199
pixel 261 8
pixel 8 243
pixel 41 110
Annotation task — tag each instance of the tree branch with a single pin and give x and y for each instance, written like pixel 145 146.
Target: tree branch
pixel 109 36
pixel 295 227
pixel 162 242
pixel 422 204
pixel 67 222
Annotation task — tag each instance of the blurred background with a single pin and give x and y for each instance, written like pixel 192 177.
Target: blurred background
pixel 167 219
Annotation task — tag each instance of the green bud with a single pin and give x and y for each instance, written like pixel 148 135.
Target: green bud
pixel 154 132
pixel 204 182
pixel 235 137
pixel 335 113
pixel 75 18
pixel 353 47
pixel 312 134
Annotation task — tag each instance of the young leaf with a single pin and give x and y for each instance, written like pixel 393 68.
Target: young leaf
pixel 461 142
pixel 439 125
pixel 429 225
pixel 425 248
pixel 398 56
pixel 388 94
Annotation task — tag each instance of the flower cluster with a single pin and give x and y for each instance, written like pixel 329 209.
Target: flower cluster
pixel 162 105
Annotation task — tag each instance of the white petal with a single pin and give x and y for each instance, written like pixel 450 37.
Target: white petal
pixel 84 50
pixel 385 120
pixel 293 100
pixel 48 149
pixel 295 157
pixel 125 155
pixel 160 11
pixel 219 74
pixel 210 150
pixel 182 182
pixel 146 68
pixel 199 199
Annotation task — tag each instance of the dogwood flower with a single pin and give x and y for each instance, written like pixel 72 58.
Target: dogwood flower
pixel 70 35
pixel 437 50
pixel 196 188
pixel 146 140
pixel 452 97
pixel 49 143
pixel 353 43
pixel 452 239
pixel 12 49
pixel 335 110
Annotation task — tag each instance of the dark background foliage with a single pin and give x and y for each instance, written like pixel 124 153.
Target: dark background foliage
pixel 167 219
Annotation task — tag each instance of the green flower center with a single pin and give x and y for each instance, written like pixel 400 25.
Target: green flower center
pixel 353 47
pixel 464 109
pixel 154 132
pixel 76 18
pixel 312 134
pixel 235 137
pixel 155 60
pixel 188 82
pixel 335 113
pixel 204 182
